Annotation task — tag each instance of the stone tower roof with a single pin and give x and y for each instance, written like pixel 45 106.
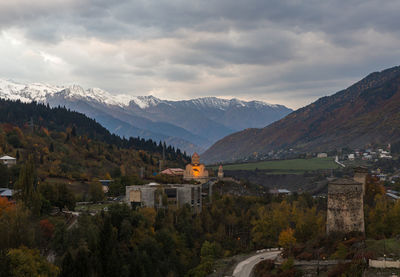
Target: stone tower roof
pixel 195 158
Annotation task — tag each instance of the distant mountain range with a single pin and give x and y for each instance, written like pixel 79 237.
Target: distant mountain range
pixel 365 113
pixel 191 125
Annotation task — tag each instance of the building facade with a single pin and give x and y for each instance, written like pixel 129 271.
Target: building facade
pixel 360 175
pixel 195 170
pixel 345 206
pixel 155 195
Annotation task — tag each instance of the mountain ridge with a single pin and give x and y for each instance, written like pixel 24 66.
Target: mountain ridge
pixel 367 112
pixel 191 125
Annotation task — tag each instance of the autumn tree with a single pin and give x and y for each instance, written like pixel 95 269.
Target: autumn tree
pixel 25 262
pixel 287 239
pixel 27 186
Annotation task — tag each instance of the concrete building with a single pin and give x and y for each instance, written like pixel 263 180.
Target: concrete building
pixel 345 206
pixel 155 195
pixel 8 161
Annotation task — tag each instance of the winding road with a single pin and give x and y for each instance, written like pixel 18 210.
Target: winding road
pixel 244 268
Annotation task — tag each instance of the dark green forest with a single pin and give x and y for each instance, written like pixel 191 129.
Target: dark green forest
pixel 36 115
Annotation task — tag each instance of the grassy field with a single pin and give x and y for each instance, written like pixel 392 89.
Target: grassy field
pixel 287 166
pixel 92 207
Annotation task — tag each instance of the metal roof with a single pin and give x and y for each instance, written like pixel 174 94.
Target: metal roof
pixel 7 158
pixel 6 192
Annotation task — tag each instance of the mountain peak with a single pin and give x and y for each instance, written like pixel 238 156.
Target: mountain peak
pixel 363 114
pixel 146 101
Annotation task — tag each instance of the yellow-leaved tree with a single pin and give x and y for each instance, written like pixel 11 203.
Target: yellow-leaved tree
pixel 287 239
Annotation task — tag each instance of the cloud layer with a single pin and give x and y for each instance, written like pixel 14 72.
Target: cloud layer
pixel 288 52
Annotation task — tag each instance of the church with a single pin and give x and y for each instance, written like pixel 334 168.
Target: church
pixel 195 170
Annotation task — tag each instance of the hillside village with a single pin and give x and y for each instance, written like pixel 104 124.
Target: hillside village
pixel 199 138
pixel 305 212
pixel 69 182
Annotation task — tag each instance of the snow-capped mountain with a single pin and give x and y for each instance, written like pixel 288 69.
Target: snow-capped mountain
pixel 191 125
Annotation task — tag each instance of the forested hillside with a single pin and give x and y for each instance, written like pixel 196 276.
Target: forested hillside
pixel 70 145
pixel 366 113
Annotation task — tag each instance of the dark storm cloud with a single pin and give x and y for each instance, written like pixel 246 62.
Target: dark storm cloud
pixel 256 48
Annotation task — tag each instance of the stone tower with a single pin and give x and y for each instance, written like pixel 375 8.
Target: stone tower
pixel 345 206
pixel 360 175
pixel 220 172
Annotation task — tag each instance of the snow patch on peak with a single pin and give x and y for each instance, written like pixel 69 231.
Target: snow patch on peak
pixel 96 95
pixel 75 90
pixel 146 101
pixel 223 104
pixel 26 93
pixel 211 102
pixel 41 92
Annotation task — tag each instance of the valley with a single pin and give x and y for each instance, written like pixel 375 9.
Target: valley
pixel 363 115
pixel 191 125
pixel 294 166
pixel 199 138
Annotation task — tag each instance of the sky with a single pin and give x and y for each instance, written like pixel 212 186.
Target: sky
pixel 285 52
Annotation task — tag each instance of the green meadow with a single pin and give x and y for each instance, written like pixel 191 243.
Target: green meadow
pixel 286 166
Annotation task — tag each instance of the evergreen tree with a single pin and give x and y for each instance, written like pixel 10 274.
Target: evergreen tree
pixel 82 265
pixel 73 131
pixel 27 186
pixel 68 267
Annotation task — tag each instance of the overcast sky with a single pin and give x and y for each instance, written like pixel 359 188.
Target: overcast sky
pixel 287 52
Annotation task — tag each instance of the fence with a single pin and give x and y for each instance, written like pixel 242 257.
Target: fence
pixel 383 264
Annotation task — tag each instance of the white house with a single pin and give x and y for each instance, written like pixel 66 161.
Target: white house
pixel 8 161
pixel 6 192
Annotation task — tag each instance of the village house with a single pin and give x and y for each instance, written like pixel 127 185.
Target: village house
pixel 8 161
pixel 173 172
pixel 105 184
pixel 278 192
pixel 6 192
